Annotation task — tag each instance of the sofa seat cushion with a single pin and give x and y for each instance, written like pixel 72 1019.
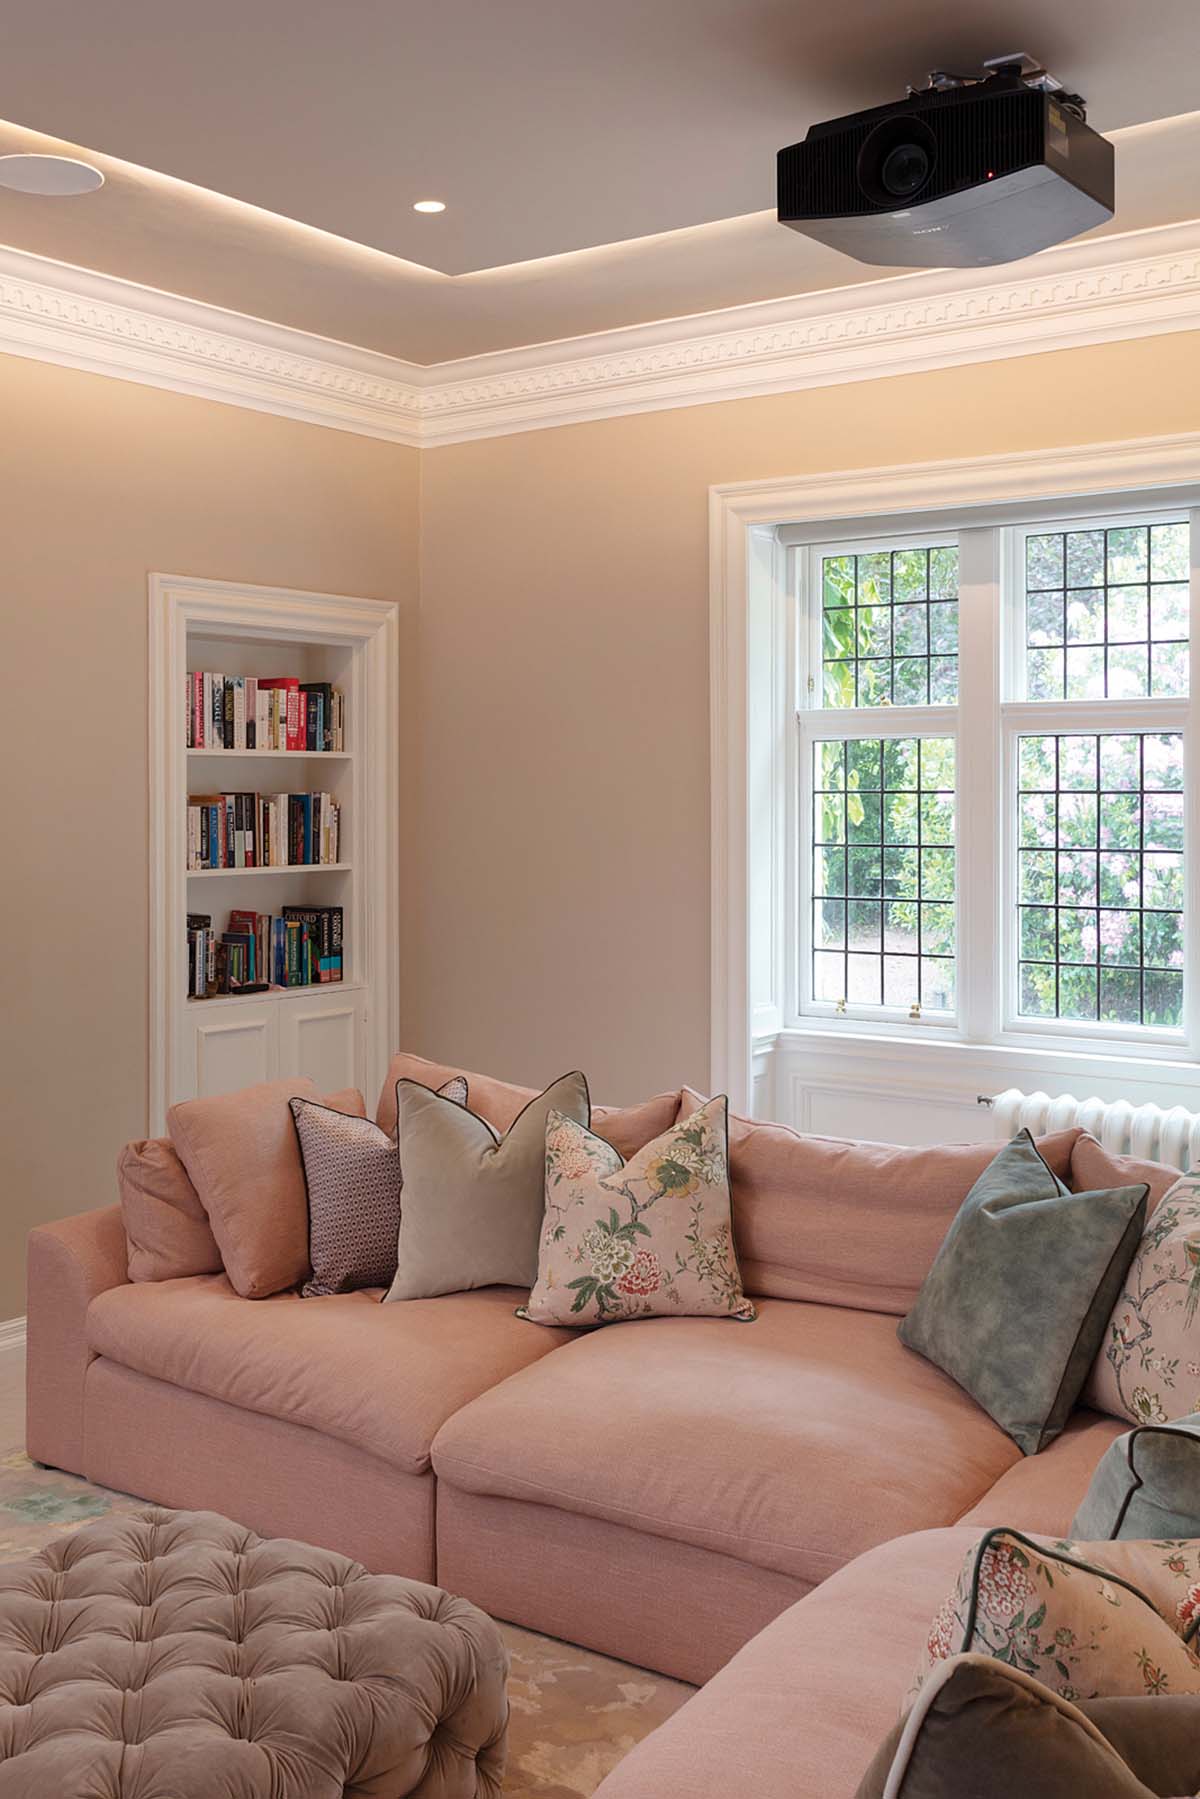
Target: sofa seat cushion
pixel 801 1710
pixel 1042 1493
pixel 384 1378
pixel 793 1443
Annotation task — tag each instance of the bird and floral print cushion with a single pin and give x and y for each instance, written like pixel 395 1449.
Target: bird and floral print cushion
pixel 650 1237
pixel 1149 1367
pixel 1089 1620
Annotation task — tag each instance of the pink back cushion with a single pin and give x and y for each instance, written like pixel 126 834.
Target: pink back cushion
pixel 241 1159
pixel 627 1128
pixel 167 1233
pixel 844 1223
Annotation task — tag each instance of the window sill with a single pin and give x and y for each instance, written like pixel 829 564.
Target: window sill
pixel 1015 1064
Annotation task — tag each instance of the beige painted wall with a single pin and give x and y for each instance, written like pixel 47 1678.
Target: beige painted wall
pixel 562 913
pixel 555 729
pixel 102 481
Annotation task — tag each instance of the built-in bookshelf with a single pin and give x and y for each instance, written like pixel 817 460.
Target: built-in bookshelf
pixel 274 724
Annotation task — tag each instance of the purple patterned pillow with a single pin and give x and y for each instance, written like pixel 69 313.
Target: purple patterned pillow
pixel 352 1173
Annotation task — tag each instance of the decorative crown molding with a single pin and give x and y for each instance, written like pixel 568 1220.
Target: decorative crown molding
pixel 82 320
pixel 1093 291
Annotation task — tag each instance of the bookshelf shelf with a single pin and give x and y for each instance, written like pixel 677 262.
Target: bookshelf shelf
pixel 288 868
pixel 271 755
pixel 339 1033
pixel 274 993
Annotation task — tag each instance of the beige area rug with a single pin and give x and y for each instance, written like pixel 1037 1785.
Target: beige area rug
pixel 574 1714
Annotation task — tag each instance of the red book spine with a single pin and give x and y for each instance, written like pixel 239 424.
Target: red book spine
pixel 198 711
pixel 295 731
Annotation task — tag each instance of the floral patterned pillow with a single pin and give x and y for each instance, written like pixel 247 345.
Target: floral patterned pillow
pixel 1149 1368
pixel 1089 1620
pixel 638 1239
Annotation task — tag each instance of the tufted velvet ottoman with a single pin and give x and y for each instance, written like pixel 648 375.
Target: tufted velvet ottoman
pixel 174 1655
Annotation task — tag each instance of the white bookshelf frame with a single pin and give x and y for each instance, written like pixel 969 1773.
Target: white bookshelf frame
pixel 182 606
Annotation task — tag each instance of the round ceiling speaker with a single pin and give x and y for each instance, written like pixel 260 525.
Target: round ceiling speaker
pixel 50 175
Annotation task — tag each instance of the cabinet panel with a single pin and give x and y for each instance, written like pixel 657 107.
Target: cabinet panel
pixel 321 1036
pixel 233 1047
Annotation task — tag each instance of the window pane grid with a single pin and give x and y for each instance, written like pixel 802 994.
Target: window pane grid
pixel 1100 877
pixel 1107 612
pixel 889 627
pixel 883 904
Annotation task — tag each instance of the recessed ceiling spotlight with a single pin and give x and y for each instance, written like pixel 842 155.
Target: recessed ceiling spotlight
pixel 50 175
pixel 429 206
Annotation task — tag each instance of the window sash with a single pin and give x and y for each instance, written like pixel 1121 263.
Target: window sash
pixel 1017 598
pixel 836 726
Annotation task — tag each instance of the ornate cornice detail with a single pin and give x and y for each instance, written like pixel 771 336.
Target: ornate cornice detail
pixel 1089 292
pixel 1096 292
pixel 57 313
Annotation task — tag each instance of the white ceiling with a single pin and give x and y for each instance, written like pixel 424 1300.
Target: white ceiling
pixel 601 164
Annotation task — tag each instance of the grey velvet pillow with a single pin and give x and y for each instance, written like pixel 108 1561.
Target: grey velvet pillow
pixel 983 1730
pixel 1015 1305
pixel 473 1201
pixel 1146 1486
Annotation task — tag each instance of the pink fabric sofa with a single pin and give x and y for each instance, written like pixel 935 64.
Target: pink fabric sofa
pixel 663 1491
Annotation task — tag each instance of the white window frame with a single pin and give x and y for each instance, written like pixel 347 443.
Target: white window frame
pixel 1023 717
pixel 816 723
pixel 754 651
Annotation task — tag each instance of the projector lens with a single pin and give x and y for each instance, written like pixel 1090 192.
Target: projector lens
pixel 905 169
pixel 897 160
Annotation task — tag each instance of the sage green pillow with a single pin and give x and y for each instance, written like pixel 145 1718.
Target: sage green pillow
pixel 1146 1486
pixel 472 1204
pixel 1016 1303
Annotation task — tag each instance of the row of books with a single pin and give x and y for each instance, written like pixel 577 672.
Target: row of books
pixel 300 947
pixel 262 830
pixel 250 712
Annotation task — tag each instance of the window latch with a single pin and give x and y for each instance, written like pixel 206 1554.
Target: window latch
pixel 840 1008
pixel 914 1012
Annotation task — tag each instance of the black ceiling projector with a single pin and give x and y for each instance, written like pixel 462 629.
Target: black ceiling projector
pixel 963 173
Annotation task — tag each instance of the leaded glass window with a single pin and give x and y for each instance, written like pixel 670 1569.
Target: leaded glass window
pixel 883 858
pixel 1101 877
pixel 889 627
pixel 1106 612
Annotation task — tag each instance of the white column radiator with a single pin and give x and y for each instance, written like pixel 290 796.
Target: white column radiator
pixel 1170 1136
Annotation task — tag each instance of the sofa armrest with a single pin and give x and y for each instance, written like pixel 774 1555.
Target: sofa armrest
pixel 68 1262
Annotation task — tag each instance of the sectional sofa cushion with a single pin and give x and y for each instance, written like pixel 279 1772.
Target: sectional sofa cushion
pixel 242 1157
pixel 167 1229
pixel 1042 1493
pixel 382 1378
pixel 1149 1367
pixel 649 1237
pixel 473 1198
pixel 1016 1302
pixel 625 1127
pixel 352 1176
pixel 1147 1485
pixel 792 1444
pixel 990 1730
pixel 844 1223
pixel 1089 1620
pixel 800 1711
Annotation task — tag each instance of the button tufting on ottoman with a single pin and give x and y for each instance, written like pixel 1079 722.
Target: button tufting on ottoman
pixel 175 1655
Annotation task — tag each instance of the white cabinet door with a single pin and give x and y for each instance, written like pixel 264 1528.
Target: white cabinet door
pixel 229 1046
pixel 321 1035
